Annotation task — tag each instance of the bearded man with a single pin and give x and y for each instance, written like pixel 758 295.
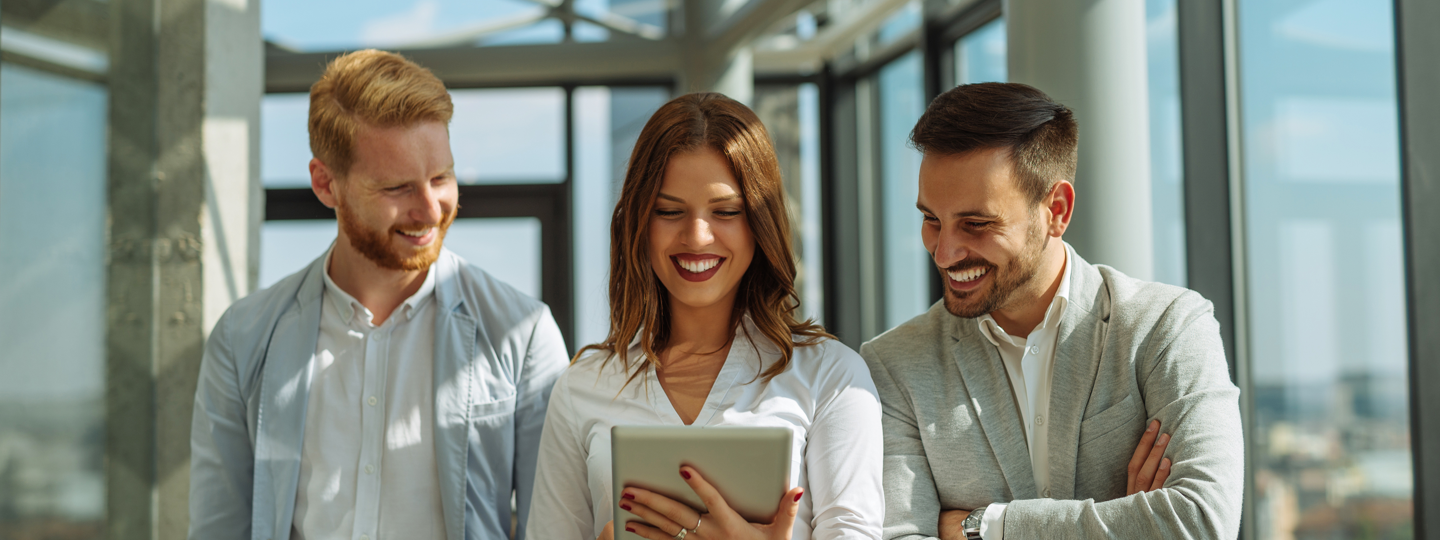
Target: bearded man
pixel 1028 402
pixel 388 390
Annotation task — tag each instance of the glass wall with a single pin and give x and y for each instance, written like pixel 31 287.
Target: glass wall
pixel 1167 186
pixel 980 55
pixel 791 114
pixel 52 287
pixel 908 270
pixel 608 120
pixel 1329 431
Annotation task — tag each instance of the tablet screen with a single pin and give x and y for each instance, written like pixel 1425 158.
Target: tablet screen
pixel 749 466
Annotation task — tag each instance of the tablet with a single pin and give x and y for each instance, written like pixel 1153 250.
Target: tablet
pixel 749 466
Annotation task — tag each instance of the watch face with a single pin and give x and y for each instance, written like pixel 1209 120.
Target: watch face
pixel 972 521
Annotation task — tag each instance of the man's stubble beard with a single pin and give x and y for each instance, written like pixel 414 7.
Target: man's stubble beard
pixel 1006 280
pixel 375 245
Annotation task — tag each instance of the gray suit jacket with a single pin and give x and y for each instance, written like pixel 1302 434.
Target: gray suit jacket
pixel 1128 351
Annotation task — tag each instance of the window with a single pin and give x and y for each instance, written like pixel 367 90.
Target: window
pixel 790 113
pixel 1167 186
pixel 980 55
pixel 908 271
pixel 1324 285
pixel 608 120
pixel 52 286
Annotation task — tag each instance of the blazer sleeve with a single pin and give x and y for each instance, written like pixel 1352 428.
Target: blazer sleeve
pixel 545 360
pixel 1186 385
pixel 912 504
pixel 221 454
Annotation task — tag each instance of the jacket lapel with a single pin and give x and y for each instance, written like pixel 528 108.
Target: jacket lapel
pixel 982 372
pixel 284 396
pixel 455 335
pixel 1078 349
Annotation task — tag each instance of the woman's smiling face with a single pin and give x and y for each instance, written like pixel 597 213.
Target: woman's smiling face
pixel 700 241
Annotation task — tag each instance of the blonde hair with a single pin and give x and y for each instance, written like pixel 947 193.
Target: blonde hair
pixel 374 88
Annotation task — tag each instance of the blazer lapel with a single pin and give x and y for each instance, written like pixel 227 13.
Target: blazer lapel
pixel 1078 349
pixel 455 335
pixel 284 397
pixel 982 372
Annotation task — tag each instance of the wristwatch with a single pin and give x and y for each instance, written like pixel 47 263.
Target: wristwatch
pixel 971 525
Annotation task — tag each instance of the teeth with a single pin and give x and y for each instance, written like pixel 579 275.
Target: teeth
pixel 963 276
pixel 417 234
pixel 698 266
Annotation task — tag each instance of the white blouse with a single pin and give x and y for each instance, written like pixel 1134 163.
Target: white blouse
pixel 826 397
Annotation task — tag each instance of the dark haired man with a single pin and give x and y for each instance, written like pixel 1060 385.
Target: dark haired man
pixel 1013 406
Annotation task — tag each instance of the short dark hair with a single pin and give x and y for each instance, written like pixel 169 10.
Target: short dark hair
pixel 1041 135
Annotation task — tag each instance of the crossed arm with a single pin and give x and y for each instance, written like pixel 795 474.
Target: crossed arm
pixel 1147 471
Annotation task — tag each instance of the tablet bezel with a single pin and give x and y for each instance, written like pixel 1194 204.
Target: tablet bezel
pixel 748 465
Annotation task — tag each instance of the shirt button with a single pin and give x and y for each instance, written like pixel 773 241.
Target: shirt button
pixel 1040 420
pixel 372 401
pixel 1047 493
pixel 369 469
pixel 1034 350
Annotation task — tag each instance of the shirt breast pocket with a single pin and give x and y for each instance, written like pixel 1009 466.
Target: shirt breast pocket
pixel 493 412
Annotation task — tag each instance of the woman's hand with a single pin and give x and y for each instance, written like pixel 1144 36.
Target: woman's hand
pixel 666 517
pixel 609 532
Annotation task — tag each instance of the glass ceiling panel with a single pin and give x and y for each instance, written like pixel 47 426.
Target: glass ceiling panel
pixel 330 25
pixel 326 25
pixel 642 18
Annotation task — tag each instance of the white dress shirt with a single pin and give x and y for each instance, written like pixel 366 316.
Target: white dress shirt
pixel 1028 362
pixel 367 468
pixel 826 397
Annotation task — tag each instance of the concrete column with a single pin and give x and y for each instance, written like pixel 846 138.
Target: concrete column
pixel 710 68
pixel 1090 55
pixel 185 207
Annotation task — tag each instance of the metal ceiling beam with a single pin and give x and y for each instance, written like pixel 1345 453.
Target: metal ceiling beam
pixel 742 25
pixel 726 27
pixel 834 40
pixel 520 65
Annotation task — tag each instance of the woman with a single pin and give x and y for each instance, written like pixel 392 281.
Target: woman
pixel 703 332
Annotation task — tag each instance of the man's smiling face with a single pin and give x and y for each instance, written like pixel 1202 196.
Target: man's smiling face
pixel 984 234
pixel 400 195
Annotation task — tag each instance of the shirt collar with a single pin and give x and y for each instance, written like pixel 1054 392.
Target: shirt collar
pixel 992 331
pixel 348 306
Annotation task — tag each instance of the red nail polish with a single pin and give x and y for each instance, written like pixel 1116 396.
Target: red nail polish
pixel 625 507
pixel 627 495
pixel 685 473
pixel 629 529
pixel 798 495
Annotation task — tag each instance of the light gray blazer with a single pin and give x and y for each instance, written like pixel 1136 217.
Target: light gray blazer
pixel 1128 351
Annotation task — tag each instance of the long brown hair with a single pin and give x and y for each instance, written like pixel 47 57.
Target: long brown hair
pixel 639 306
